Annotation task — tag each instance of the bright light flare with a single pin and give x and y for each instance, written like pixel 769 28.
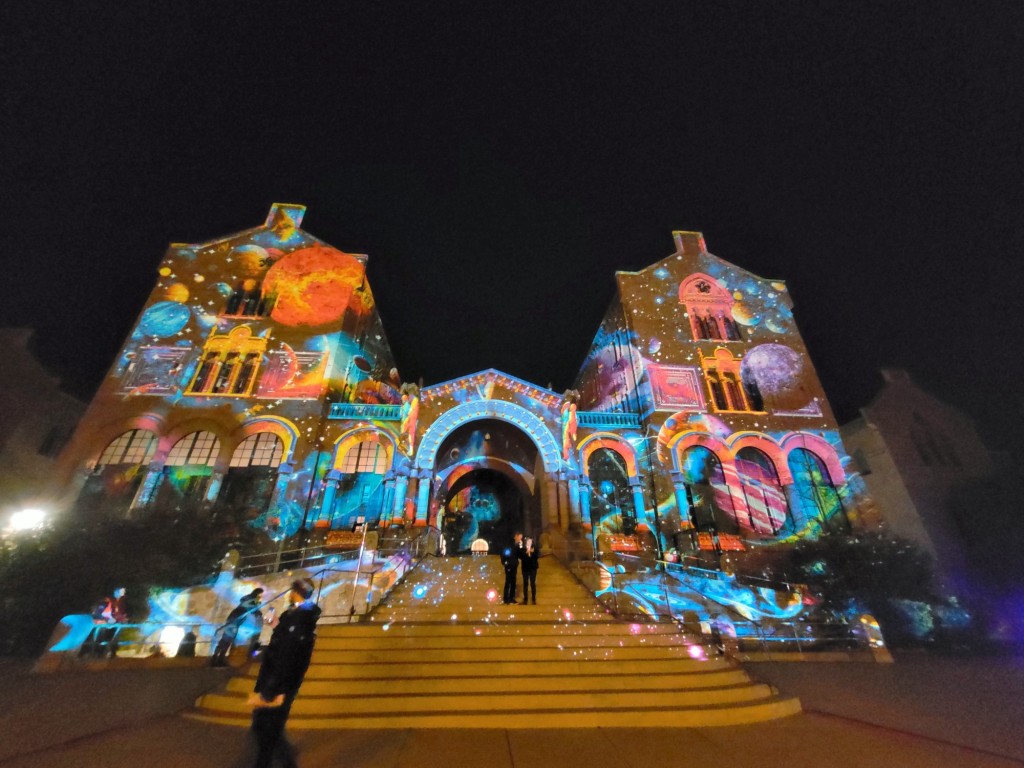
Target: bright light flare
pixel 28 519
pixel 170 639
pixel 492 595
pixel 696 652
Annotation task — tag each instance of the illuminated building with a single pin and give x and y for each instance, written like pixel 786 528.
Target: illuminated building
pixel 258 378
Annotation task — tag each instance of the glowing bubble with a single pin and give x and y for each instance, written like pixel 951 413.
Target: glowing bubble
pixel 165 318
pixel 176 292
pixel 419 591
pixel 696 652
pixel 455 617
pixel 568 615
pixel 492 595
pixel 386 627
pixel 250 260
pixel 634 629
pixel 661 273
pixel 744 315
pixel 165 271
pixel 653 346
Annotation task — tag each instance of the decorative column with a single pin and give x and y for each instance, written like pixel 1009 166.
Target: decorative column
pixel 401 487
pixel 585 504
pixel 795 508
pixel 331 482
pixel 574 500
pixel 638 504
pixel 423 499
pixel 387 501
pixel 148 487
pixel 551 501
pixel 563 501
pixel 683 505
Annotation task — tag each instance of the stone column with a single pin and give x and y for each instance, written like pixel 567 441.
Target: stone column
pixel 642 523
pixel 401 487
pixel 423 499
pixel 148 487
pixel 551 501
pixel 574 500
pixel 331 482
pixel 388 499
pixel 585 504
pixel 678 483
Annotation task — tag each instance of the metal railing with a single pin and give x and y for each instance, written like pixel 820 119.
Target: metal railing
pixel 150 638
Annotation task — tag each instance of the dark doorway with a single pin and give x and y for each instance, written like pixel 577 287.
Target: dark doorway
pixel 483 504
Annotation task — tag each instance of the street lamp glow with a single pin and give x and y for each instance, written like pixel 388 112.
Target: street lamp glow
pixel 28 519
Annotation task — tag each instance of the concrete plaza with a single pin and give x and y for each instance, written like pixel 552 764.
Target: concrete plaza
pixel 921 711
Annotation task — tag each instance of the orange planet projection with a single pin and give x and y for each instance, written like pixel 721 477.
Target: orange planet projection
pixel 313 287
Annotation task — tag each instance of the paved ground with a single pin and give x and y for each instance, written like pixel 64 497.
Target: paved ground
pixel 929 712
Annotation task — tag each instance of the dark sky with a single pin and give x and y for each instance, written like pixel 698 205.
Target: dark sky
pixel 499 162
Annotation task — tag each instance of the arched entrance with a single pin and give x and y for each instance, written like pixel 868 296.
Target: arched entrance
pixel 485 485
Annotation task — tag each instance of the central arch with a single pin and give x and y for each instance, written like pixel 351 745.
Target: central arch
pixel 451 420
pixel 489 475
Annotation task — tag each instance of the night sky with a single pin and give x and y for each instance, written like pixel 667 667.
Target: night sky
pixel 498 163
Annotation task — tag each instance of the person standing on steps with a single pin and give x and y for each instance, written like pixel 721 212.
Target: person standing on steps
pixel 285 662
pixel 247 607
pixel 529 560
pixel 510 562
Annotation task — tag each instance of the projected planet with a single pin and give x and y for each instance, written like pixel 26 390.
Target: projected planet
pixel 314 286
pixel 177 292
pixel 165 318
pixel 782 375
pixel 250 260
pixel 744 315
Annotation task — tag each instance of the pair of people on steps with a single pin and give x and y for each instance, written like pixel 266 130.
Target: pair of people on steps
pixel 520 552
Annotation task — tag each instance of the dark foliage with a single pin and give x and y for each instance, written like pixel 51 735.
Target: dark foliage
pixel 69 567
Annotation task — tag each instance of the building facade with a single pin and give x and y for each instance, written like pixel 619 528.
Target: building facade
pixel 918 456
pixel 258 382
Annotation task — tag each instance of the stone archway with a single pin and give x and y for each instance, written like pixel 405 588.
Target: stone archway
pixel 539 471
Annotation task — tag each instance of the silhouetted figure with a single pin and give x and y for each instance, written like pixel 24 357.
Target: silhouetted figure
pixel 247 606
pixel 529 559
pixel 285 662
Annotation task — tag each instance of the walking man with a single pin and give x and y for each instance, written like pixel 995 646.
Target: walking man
pixel 285 662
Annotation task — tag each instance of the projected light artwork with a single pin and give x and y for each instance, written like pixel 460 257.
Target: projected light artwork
pixel 258 385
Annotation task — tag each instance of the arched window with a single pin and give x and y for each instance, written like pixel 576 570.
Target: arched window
pixel 111 488
pixel 359 492
pixel 766 501
pixel 248 487
pixel 229 363
pixel 264 449
pixel 814 493
pixel 611 506
pixel 133 447
pixel 754 398
pixel 709 307
pixel 188 470
pixel 707 492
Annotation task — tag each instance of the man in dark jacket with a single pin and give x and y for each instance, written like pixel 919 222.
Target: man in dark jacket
pixel 510 561
pixel 529 560
pixel 285 662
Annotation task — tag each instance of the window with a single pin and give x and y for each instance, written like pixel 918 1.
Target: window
pixel 136 446
pixel 728 389
pixel 365 456
pixel 709 307
pixel 611 506
pixel 247 300
pixel 263 449
pixel 197 448
pixel 707 492
pixel 766 502
pixel 814 492
pixel 229 364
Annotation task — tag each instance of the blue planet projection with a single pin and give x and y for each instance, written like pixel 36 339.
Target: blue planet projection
pixel 165 318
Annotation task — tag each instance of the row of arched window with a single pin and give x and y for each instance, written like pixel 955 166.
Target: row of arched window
pixel 763 508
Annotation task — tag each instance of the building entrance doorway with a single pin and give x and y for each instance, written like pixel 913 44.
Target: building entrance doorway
pixel 485 486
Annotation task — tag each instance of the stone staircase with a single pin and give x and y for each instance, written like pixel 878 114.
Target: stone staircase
pixel 443 652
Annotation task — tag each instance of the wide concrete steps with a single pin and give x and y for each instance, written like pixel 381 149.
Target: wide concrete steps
pixel 441 653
